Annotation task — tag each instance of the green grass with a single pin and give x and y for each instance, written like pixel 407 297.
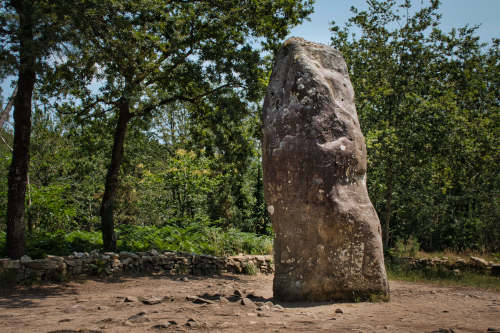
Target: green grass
pixel 250 268
pixel 443 277
pixel 193 239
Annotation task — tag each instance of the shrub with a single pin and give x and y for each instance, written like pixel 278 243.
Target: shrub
pixel 3 238
pixel 408 248
pixel 193 239
pixel 250 268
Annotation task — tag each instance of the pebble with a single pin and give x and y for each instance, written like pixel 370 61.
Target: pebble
pixel 192 323
pixel 131 299
pixel 159 327
pixel 339 311
pixel 64 320
pixel 277 307
pixel 246 301
pixel 139 318
pixel 150 300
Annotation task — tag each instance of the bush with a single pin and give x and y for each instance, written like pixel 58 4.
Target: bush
pixel 193 239
pixel 250 268
pixel 3 239
pixel 408 248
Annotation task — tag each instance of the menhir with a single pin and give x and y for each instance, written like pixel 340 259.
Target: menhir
pixel 328 242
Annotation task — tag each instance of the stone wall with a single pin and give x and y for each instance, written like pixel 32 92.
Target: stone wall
pixel 473 264
pixel 81 265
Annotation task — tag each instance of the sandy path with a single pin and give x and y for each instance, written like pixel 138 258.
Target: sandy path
pixel 100 306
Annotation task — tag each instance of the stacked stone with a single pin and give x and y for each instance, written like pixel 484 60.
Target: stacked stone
pixel 474 264
pixel 83 264
pixel 241 264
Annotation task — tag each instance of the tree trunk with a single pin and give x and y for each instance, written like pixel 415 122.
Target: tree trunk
pixel 388 203
pixel 108 200
pixel 22 128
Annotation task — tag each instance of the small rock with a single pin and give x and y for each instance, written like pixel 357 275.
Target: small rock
pixel 246 301
pixel 25 259
pixel 339 311
pixel 64 320
pixel 478 262
pixel 185 279
pixel 106 321
pixel 192 323
pixel 151 300
pixel 100 307
pixel 159 327
pixel 198 300
pixel 139 318
pixel 75 331
pixel 237 293
pixel 131 299
pixel 444 330
pixel 277 307
pixel 263 314
pixel 250 293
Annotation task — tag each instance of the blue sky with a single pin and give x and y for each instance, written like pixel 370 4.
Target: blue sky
pixel 456 13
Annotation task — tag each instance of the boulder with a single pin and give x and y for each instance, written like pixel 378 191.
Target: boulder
pixel 328 242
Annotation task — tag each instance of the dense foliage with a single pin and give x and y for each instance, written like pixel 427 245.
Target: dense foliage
pixel 192 239
pixel 187 175
pixel 116 67
pixel 428 104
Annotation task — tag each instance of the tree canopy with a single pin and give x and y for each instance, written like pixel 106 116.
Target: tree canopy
pixel 428 105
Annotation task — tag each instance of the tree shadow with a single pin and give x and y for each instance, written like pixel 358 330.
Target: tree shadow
pixel 154 276
pixel 29 296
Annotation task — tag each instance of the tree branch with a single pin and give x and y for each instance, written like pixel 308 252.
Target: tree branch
pixel 4 115
pixel 183 98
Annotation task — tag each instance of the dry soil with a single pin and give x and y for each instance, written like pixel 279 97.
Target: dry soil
pixel 208 304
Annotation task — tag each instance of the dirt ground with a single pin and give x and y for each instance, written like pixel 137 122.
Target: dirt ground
pixel 208 304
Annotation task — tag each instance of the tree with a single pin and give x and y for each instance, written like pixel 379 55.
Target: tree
pixel 427 108
pixel 30 31
pixel 150 53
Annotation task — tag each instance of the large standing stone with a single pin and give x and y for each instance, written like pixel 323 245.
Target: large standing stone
pixel 327 234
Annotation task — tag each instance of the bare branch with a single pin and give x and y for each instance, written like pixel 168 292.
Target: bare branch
pixel 4 115
pixel 4 141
